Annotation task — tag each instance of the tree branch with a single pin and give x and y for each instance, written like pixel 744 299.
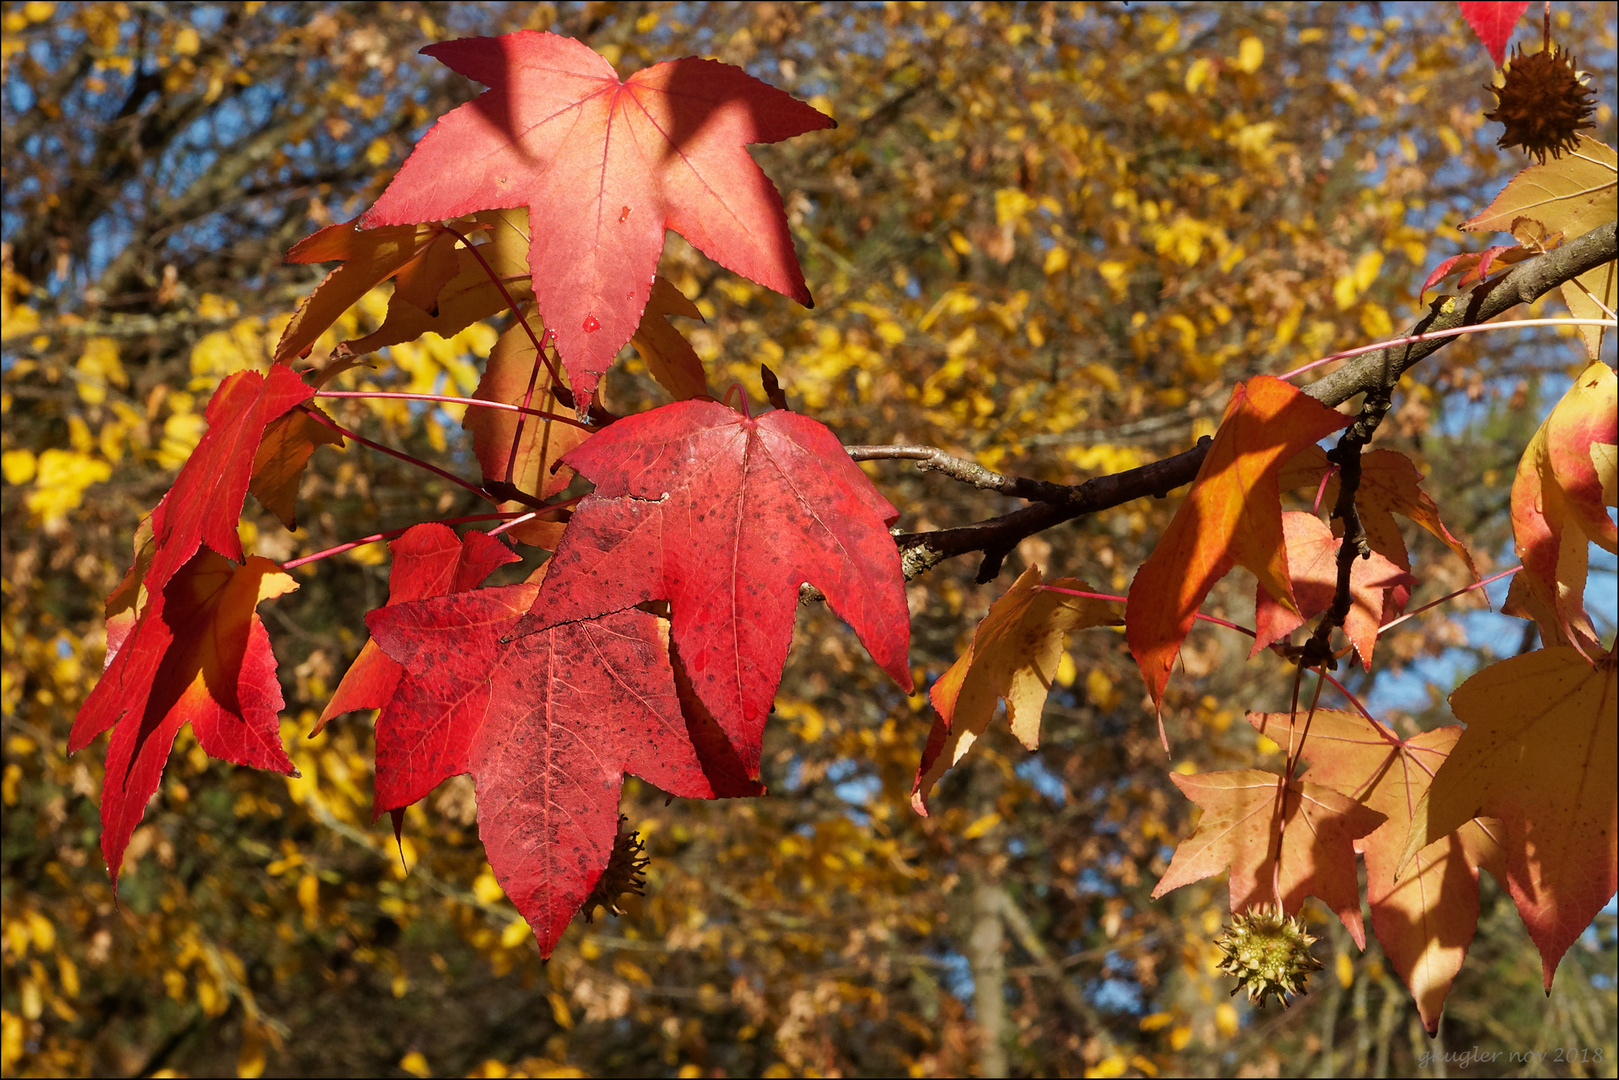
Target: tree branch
pixel 998 536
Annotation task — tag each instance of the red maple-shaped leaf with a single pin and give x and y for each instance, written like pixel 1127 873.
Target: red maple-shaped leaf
pixel 1492 21
pixel 1243 813
pixel 1541 752
pixel 1425 920
pixel 1312 562
pixel 198 654
pixel 428 560
pixel 605 165
pixel 183 642
pixel 547 724
pixel 1232 517
pixel 724 516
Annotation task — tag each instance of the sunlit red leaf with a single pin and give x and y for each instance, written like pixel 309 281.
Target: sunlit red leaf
pixel 1492 21
pixel 605 166
pixel 1474 267
pixel 205 502
pixel 197 655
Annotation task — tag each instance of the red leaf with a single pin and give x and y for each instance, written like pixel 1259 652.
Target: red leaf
pixel 605 166
pixel 1312 562
pixel 1474 266
pixel 429 560
pixel 205 502
pixel 724 516
pixel 1492 21
pixel 1232 517
pixel 202 507
pixel 198 654
pixel 547 725
pixel 1238 830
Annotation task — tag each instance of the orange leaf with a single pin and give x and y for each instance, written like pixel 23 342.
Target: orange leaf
pixel 667 354
pixel 1014 655
pixel 421 258
pixel 513 369
pixel 1312 562
pixel 1559 500
pixel 1426 921
pixel 1243 811
pixel 278 467
pixel 1541 752
pixel 1232 517
pixel 1389 484
pixel 468 296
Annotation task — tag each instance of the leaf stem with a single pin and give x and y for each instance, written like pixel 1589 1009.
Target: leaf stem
pixel 1456 331
pixel 1449 596
pixel 321 418
pixel 391 533
pixel 450 399
pixel 516 312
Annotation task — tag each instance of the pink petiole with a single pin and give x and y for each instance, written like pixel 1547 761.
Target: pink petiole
pixel 390 534
pixel 1449 596
pixel 448 399
pixel 1437 334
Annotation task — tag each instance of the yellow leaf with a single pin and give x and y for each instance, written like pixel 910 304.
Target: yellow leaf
pixel 1199 74
pixel 1250 54
pixel 18 466
pixel 415 1064
pixel 982 825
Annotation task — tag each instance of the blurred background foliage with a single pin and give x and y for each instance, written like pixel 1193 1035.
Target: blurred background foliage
pixel 1044 236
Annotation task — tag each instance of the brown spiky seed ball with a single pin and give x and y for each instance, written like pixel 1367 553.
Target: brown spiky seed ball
pixel 1542 104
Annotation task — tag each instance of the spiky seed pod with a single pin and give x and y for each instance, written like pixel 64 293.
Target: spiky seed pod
pixel 1268 952
pixel 625 873
pixel 1542 103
